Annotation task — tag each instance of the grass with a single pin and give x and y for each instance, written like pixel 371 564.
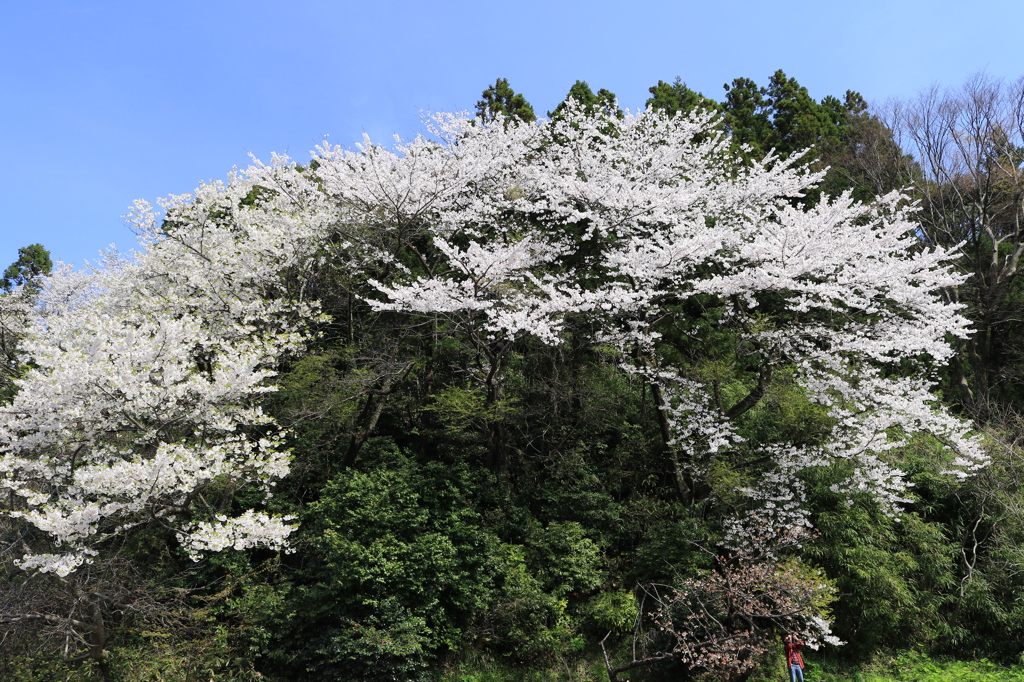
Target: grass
pixel 915 667
pixel 907 666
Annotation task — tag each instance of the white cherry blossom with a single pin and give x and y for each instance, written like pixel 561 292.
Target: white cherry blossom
pixel 147 371
pixel 618 220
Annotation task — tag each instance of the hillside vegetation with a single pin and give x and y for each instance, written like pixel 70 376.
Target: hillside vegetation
pixel 605 396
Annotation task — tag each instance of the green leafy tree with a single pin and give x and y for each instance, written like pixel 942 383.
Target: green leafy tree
pixel 33 262
pixel 398 568
pixel 15 307
pixel 798 122
pixel 866 158
pixel 781 116
pixel 747 117
pixel 603 102
pixel 502 99
pixel 675 97
pixel 839 136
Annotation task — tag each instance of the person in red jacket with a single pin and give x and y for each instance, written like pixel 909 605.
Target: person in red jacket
pixel 794 661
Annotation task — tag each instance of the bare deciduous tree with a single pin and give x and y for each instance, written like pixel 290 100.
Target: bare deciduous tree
pixel 78 615
pixel 969 143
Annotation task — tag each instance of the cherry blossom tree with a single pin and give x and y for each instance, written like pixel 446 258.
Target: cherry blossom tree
pixel 647 234
pixel 625 223
pixel 15 312
pixel 142 406
pixel 146 378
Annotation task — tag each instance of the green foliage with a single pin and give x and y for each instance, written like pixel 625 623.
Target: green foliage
pixel 502 99
pixel 523 621
pixel 459 408
pixel 23 668
pixel 586 667
pixel 33 262
pixel 318 397
pixel 747 115
pixel 780 116
pixel 612 611
pixel 156 657
pixel 566 560
pixel 394 555
pixel 601 103
pixel 675 97
pixel 911 665
pixel 893 575
pixel 501 512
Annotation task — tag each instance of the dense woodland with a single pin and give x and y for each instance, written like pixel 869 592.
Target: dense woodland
pixel 605 395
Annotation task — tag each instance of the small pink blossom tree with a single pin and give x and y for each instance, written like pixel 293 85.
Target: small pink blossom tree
pixel 725 620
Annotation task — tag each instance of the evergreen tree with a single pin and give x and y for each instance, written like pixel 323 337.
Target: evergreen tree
pixel 833 134
pixel 676 97
pixel 603 102
pixel 502 99
pixel 33 262
pixel 798 122
pixel 747 118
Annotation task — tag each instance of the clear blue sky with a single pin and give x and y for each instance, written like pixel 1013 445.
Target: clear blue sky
pixel 102 102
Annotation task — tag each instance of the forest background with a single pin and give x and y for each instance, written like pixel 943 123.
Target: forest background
pixel 451 524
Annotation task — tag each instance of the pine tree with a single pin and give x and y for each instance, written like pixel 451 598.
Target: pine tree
pixel 33 262
pixel 502 99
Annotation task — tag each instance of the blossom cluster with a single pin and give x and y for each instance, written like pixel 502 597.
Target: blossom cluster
pixel 146 373
pixel 619 222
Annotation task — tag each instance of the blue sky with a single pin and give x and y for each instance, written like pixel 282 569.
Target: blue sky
pixel 105 102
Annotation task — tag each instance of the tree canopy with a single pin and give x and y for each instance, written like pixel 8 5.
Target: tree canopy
pixel 602 102
pixel 515 391
pixel 633 237
pixel 33 262
pixel 501 99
